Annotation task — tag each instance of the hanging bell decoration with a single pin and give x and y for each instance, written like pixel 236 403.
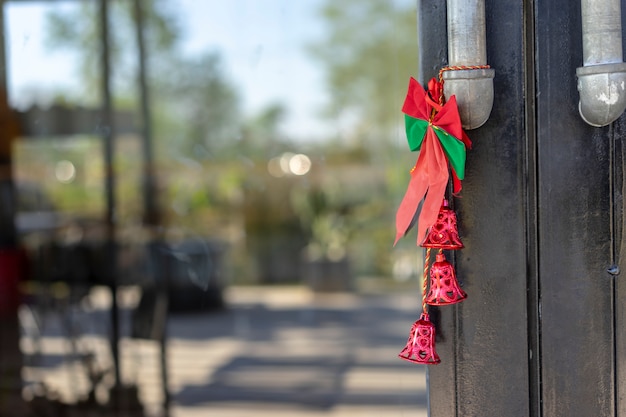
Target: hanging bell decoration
pixel 444 287
pixel 420 347
pixel 433 127
pixel 443 234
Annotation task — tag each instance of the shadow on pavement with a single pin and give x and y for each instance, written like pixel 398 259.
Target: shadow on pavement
pixel 316 356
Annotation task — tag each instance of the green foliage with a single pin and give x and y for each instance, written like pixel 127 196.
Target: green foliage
pixel 212 163
pixel 261 137
pixel 199 106
pixel 35 165
pixel 369 51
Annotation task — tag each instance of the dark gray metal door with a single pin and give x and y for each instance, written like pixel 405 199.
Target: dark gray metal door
pixel 540 333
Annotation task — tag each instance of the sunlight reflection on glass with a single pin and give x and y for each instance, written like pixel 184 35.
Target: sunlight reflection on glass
pixel 299 164
pixel 65 171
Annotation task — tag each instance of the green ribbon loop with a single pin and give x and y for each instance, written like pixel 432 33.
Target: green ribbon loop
pixel 452 147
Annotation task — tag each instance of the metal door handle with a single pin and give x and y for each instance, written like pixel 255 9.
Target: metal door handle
pixel 602 78
pixel 467 47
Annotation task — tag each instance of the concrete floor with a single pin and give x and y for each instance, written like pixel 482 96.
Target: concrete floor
pixel 275 351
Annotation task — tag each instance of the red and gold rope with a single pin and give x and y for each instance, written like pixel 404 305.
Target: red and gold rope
pixel 425 281
pixel 457 68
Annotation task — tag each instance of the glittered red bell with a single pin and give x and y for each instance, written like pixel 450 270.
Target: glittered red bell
pixel 443 234
pixel 420 348
pixel 444 288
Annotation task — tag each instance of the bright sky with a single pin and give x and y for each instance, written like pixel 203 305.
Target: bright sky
pixel 262 44
pixel 29 65
pixel 264 50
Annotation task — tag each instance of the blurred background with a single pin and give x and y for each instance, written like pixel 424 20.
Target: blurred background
pixel 198 204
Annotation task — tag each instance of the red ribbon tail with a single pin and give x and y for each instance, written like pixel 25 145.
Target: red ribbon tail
pixel 438 175
pixel 414 193
pixel 466 140
pixel 430 208
pixel 456 184
pixel 430 178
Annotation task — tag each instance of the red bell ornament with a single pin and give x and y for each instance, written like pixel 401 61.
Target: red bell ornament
pixel 444 287
pixel 443 234
pixel 420 348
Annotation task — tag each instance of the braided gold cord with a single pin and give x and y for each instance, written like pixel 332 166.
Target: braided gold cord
pixel 425 281
pixel 457 68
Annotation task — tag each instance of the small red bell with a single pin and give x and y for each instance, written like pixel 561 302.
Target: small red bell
pixel 420 348
pixel 443 234
pixel 444 288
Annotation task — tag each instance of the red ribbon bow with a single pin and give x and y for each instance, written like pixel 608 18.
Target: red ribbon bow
pixel 435 130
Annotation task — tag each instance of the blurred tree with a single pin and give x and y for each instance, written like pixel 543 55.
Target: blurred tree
pixel 261 135
pixel 369 51
pixel 196 107
pixel 201 105
pixel 76 28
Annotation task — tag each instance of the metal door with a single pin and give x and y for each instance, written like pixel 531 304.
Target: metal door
pixel 540 333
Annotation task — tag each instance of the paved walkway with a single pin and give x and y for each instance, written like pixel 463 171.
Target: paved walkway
pixel 288 352
pixel 275 351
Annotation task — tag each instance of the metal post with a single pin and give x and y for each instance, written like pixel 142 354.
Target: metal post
pixel 11 262
pixel 8 234
pixel 107 132
pixel 151 212
pixel 163 309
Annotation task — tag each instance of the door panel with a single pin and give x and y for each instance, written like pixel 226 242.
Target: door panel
pixel 541 219
pixel 574 227
pixel 485 337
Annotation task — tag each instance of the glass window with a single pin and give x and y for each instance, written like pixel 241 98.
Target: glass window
pixel 212 188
